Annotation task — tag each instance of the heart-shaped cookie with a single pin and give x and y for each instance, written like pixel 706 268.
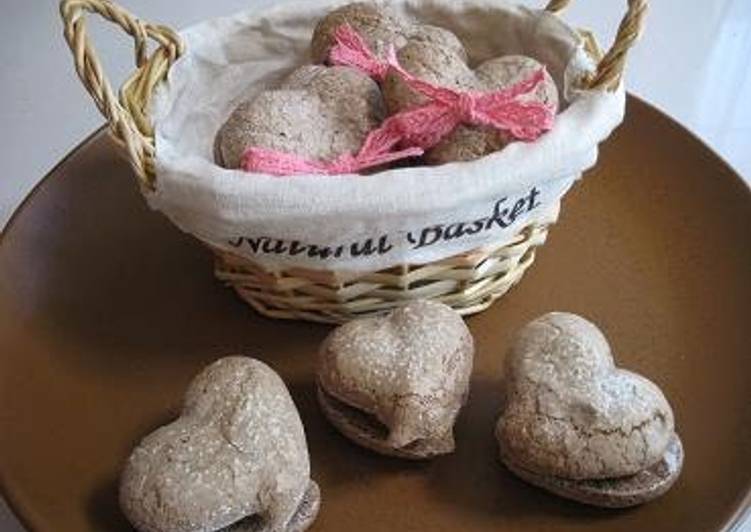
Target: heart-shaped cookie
pixel 318 113
pixel 236 457
pixel 381 28
pixel 445 67
pixel 576 424
pixel 395 384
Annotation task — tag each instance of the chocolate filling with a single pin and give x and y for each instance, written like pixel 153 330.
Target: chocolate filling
pixel 617 492
pixel 366 429
pixel 304 515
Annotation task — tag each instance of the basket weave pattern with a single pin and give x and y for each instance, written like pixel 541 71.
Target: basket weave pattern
pixel 469 282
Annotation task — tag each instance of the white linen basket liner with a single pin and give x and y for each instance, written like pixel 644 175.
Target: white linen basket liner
pixel 359 223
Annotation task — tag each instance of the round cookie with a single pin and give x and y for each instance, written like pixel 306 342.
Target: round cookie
pixel 396 383
pixel 579 426
pixel 317 113
pixel 222 465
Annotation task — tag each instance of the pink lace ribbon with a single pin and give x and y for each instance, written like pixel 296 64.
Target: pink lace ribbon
pixel 426 125
pixel 419 128
pixel 375 151
pixel 350 49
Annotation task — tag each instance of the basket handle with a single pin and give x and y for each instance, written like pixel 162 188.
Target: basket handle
pixel 610 68
pixel 126 114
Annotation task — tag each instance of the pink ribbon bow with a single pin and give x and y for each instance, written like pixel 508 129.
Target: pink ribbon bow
pixel 427 124
pixel 350 49
pixel 375 151
pixel 419 128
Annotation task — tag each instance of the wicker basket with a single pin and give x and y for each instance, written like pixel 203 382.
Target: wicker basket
pixel 469 282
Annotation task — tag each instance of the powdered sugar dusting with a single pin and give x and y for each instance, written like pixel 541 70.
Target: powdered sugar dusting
pixel 571 413
pixel 238 449
pixel 410 369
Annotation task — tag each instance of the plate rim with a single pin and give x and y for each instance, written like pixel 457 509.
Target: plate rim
pixel 741 514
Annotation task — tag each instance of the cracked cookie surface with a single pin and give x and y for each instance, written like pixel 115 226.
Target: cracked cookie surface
pixel 571 413
pixel 381 27
pixel 620 492
pixel 409 370
pixel 237 450
pixel 317 112
pixel 445 67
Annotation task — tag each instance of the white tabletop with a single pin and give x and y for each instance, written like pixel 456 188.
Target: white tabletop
pixel 693 63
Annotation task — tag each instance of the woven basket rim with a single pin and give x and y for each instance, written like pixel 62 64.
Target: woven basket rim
pixel 469 282
pixel 128 113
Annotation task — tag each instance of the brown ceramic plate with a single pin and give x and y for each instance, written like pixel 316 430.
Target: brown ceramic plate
pixel 107 311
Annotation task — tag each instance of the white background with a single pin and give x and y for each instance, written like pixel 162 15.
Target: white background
pixel 694 63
